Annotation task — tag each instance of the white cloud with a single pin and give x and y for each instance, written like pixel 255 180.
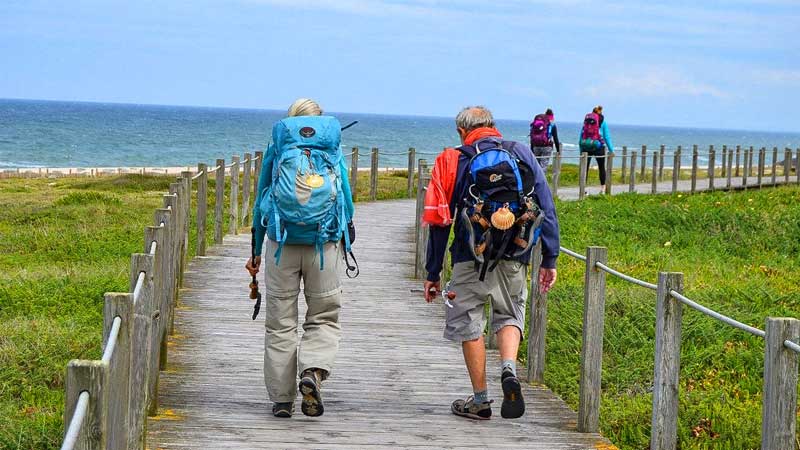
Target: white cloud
pixel 654 83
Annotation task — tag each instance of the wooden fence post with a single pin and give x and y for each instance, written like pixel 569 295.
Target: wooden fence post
pixel 729 170
pixel 354 173
pixel 712 167
pixel 92 377
pixel 373 175
pixel 664 425
pixel 118 305
pixel 787 164
pixel 234 209
pixel 797 166
pixel 186 210
pixel 162 291
pixel 202 207
pixel 738 157
pixel 695 156
pixel 774 165
pixel 676 169
pixel 171 263
pixel 745 169
pixel 259 161
pixel 538 321
pixel 624 162
pixel 644 162
pixel 594 301
pixel 174 202
pixel 656 171
pixel 582 174
pixel 556 174
pixel 420 232
pixel 779 410
pixel 609 172
pixel 411 158
pixel 219 203
pixel 761 153
pixel 661 163
pixel 750 162
pixel 248 162
pixel 144 364
pixel 724 160
pixel 632 178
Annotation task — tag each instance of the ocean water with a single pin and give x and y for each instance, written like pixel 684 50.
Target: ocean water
pixel 77 134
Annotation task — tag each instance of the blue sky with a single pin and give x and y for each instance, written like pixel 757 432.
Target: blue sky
pixel 721 64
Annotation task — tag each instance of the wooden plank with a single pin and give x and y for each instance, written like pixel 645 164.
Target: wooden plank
pixel 118 305
pixel 556 175
pixel 644 163
pixel 654 179
pixel 760 172
pixel 624 161
pixel 219 201
pixel 582 172
pixel 92 377
pixel 354 172
pixel 609 172
pixel 694 169
pixel 259 162
pixel 632 178
pixel 594 301
pixel 774 166
pixel 664 425
pixel 712 166
pixel 373 175
pixel 248 163
pixel 202 208
pixel 779 410
pixel 411 160
pixel 234 198
pixel 391 347
pixel 537 328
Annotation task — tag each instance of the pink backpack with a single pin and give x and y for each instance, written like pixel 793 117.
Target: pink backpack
pixel 591 127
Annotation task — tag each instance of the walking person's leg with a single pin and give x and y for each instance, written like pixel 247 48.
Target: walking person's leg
pixel 320 342
pixel 601 167
pixel 282 286
pixel 508 295
pixel 464 323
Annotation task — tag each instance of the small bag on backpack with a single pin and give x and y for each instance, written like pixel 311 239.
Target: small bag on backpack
pixel 501 204
pixel 540 131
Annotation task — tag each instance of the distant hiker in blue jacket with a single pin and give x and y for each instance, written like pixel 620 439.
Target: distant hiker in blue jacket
pixel 496 196
pixel 595 140
pixel 308 233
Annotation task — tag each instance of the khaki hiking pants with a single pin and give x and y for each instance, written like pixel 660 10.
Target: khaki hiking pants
pixel 321 331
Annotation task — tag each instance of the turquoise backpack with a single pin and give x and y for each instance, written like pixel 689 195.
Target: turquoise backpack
pixel 305 203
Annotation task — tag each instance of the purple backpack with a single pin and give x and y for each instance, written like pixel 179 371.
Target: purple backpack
pixel 591 127
pixel 540 131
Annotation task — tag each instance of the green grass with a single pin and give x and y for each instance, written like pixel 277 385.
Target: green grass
pixel 738 253
pixel 67 241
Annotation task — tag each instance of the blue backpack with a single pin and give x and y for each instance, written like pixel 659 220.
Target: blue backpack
pixel 502 206
pixel 305 203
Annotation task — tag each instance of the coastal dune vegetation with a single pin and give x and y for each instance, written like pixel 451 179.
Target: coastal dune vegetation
pixel 67 241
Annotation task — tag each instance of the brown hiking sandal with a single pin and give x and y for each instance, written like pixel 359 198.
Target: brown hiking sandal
pixel 310 388
pixel 468 408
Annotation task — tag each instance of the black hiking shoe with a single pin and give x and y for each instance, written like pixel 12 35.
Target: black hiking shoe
pixel 310 388
pixel 468 408
pixel 513 403
pixel 283 409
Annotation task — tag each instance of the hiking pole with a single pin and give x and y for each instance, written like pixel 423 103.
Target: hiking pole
pixel 254 293
pixel 349 125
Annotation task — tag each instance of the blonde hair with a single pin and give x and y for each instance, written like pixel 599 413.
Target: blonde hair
pixel 304 107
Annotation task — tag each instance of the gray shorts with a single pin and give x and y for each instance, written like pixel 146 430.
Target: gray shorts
pixel 505 288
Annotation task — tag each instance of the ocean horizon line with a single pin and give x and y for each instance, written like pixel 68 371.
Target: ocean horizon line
pixel 374 114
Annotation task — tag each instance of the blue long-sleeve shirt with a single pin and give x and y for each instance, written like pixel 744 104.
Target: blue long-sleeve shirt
pixel 606 136
pixel 265 180
pixel 460 251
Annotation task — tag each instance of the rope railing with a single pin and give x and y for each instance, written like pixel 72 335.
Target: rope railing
pixel 137 290
pixel 573 254
pixel 713 314
pixel 76 423
pixel 791 345
pixel 113 335
pixel 628 278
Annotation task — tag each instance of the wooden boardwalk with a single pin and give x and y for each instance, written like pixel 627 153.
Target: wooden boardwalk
pixel 394 378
